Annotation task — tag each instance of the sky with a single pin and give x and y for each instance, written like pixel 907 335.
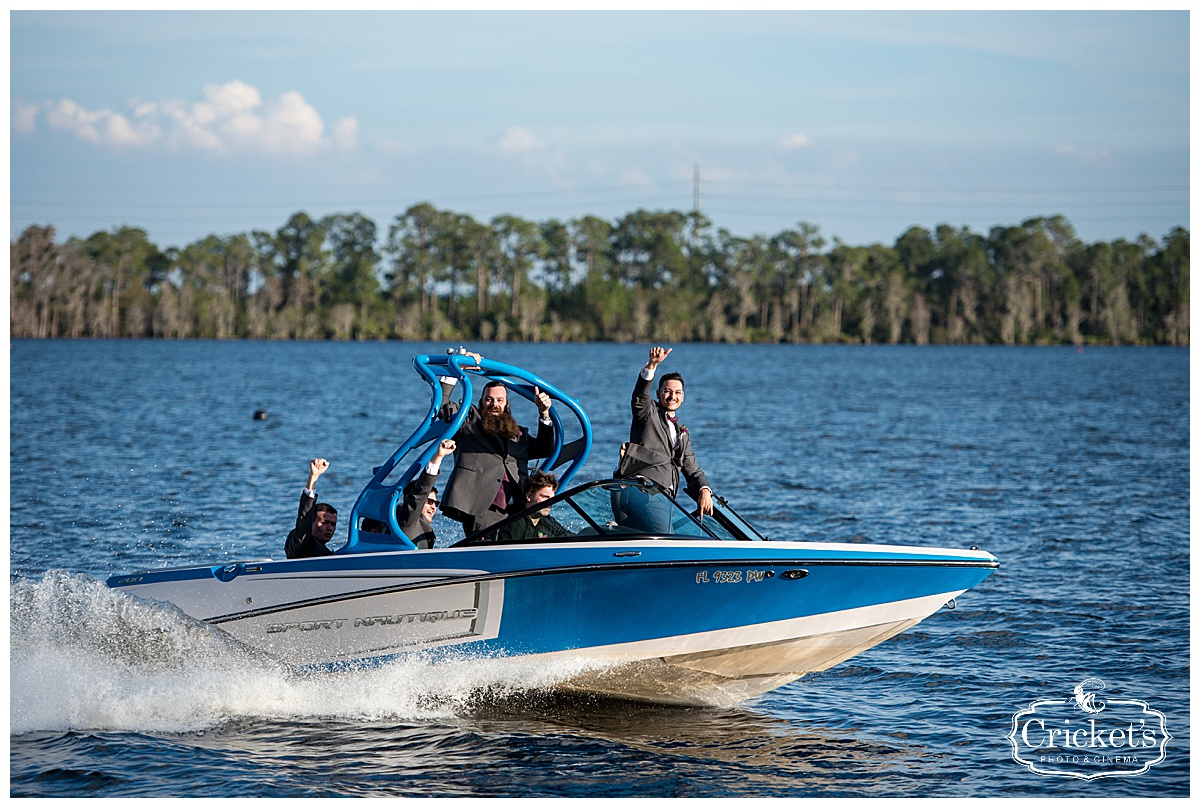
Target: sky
pixel 862 123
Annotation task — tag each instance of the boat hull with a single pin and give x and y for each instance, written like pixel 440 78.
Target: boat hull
pixel 691 622
pixel 730 674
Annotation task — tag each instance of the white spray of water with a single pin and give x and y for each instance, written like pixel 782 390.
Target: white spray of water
pixel 84 656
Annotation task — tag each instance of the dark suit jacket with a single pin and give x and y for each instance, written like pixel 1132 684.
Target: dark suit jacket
pixel 300 542
pixel 412 520
pixel 524 529
pixel 650 453
pixel 480 461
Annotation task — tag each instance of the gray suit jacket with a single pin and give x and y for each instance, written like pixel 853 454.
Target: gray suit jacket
pixel 650 453
pixel 481 460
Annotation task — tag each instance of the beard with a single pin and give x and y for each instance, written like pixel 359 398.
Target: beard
pixel 502 426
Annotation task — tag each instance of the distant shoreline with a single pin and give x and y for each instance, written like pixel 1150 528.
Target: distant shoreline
pixel 469 342
pixel 660 276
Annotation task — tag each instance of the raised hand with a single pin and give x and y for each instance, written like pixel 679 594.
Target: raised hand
pixel 316 467
pixel 657 355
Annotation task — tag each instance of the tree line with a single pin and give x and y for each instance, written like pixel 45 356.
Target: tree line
pixel 667 276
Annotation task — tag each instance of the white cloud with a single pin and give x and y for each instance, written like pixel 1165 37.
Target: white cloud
pixel 289 125
pixel 228 118
pixel 532 153
pixel 223 101
pixel 519 140
pixel 345 133
pixel 66 114
pixel 118 130
pixel 24 117
pixel 796 141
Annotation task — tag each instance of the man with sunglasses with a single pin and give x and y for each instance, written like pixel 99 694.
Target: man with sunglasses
pixel 415 514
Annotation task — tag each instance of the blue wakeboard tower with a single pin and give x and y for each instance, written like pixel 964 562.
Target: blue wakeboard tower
pixel 380 498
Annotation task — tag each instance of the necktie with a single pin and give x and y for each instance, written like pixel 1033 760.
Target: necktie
pixel 500 501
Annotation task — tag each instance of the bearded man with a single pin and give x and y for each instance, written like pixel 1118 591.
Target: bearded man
pixel 491 458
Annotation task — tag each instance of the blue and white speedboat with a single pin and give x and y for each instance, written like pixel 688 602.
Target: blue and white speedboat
pixel 655 603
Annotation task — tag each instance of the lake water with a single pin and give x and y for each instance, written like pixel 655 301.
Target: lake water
pixel 1072 467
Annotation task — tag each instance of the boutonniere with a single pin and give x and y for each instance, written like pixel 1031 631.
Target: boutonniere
pixel 682 429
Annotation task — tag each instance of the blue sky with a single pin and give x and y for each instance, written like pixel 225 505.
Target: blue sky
pixel 863 123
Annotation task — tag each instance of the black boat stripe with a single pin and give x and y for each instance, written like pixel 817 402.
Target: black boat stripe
pixel 387 590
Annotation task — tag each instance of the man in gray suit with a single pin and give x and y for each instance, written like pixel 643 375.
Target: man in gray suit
pixel 492 458
pixel 660 448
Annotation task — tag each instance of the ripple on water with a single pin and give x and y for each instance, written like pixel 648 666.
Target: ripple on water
pixel 1068 467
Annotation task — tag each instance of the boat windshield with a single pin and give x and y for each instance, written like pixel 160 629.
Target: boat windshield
pixel 739 525
pixel 611 509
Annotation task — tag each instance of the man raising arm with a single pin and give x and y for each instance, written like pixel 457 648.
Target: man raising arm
pixel 416 512
pixel 315 521
pixel 492 457
pixel 660 448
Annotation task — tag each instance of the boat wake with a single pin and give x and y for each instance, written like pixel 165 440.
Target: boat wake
pixel 87 657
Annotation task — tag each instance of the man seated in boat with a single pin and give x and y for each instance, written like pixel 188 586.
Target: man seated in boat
pixel 492 457
pixel 316 522
pixel 539 487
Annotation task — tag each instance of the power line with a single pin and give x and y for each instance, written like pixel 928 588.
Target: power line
pixel 724 199
pixel 961 189
pixel 665 189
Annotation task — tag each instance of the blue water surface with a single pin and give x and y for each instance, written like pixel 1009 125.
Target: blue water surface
pixel 1071 466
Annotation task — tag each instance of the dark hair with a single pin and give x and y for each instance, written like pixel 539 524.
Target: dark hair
pixel 324 507
pixel 670 377
pixel 489 386
pixel 540 479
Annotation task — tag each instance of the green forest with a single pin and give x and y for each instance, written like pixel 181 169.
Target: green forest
pixel 666 276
